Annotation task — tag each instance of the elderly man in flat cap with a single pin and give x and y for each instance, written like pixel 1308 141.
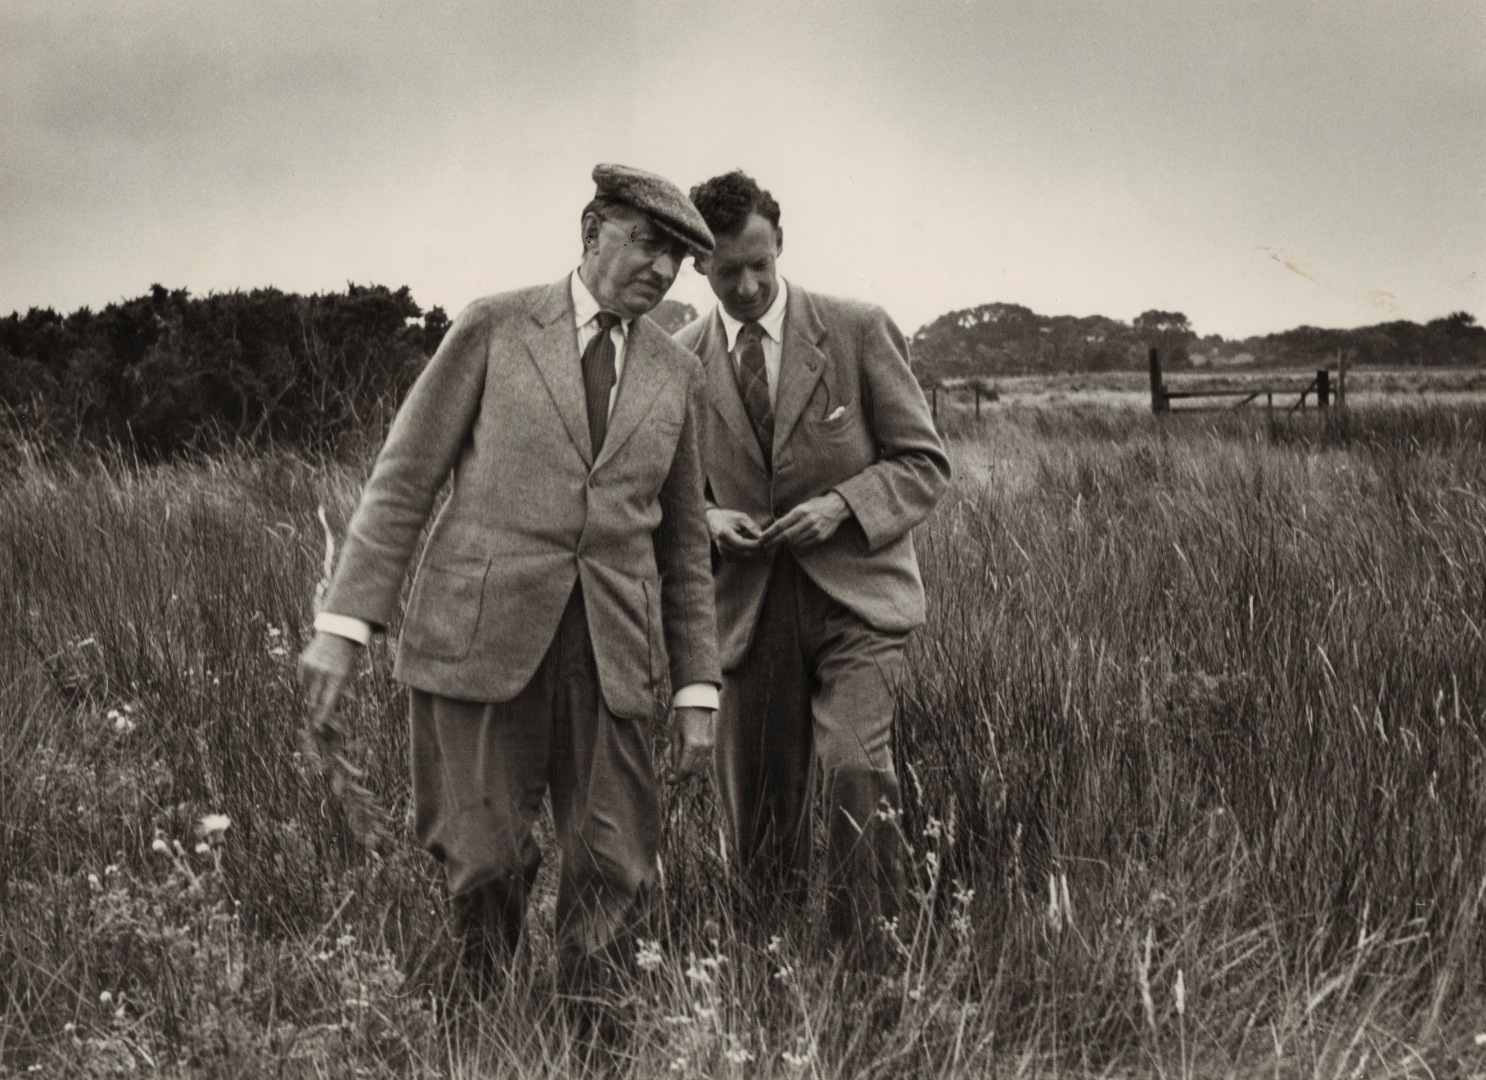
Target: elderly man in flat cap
pixel 565 584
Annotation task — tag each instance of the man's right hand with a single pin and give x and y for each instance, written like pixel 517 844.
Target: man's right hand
pixel 734 532
pixel 323 668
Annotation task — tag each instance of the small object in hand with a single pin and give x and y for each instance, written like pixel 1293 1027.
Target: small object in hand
pixel 838 411
pixel 365 815
pixel 325 745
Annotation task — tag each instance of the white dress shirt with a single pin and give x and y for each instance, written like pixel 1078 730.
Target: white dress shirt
pixel 772 324
pixel 585 314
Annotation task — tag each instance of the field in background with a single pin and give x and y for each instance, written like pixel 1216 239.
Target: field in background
pixel 1194 766
pixel 1132 389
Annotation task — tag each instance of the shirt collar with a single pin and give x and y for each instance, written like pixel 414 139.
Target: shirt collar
pixel 771 322
pixel 585 307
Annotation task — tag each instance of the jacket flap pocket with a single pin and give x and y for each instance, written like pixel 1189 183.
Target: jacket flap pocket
pixel 444 610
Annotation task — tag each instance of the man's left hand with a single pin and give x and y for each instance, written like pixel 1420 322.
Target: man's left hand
pixel 813 522
pixel 694 733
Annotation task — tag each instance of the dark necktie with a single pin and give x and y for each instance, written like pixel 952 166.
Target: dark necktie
pixel 598 379
pixel 753 383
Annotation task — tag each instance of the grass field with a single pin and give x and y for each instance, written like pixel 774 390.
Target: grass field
pixel 1193 744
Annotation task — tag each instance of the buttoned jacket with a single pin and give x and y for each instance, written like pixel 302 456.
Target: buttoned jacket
pixel 848 416
pixel 499 412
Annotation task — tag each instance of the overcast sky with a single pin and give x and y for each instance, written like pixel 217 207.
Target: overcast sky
pixel 1256 165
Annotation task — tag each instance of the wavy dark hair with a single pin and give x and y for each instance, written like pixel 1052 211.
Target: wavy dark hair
pixel 726 201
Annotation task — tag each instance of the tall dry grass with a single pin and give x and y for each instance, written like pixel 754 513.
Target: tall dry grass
pixel 1192 744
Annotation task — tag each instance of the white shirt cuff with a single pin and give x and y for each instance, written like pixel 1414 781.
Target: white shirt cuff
pixel 346 626
pixel 699 695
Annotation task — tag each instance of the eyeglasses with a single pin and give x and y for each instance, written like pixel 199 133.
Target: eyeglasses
pixel 651 244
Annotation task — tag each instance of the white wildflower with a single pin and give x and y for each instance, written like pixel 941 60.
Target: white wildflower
pixel 160 847
pixel 212 824
pixel 648 956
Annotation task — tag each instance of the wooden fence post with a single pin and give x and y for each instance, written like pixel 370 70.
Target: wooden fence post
pixel 1341 378
pixel 977 403
pixel 1159 401
pixel 1323 388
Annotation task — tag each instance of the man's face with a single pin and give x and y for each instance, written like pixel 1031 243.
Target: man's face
pixel 741 268
pixel 631 262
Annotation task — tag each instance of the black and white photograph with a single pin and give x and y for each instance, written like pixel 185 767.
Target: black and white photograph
pixel 839 539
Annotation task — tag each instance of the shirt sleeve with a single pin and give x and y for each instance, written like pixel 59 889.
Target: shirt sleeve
pixel 696 696
pixel 346 626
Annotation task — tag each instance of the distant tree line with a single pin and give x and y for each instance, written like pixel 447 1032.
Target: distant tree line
pixel 1008 339
pixel 169 372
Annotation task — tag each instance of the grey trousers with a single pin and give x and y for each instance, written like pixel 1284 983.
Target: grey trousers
pixel 480 772
pixel 814 692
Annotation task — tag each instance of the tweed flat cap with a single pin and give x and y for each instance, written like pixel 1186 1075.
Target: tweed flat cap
pixel 666 204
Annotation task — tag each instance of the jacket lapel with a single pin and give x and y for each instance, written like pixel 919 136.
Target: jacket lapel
pixel 801 363
pixel 644 375
pixel 722 388
pixel 553 344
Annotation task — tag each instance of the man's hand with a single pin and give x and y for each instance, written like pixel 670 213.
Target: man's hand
pixel 694 735
pixel 323 667
pixel 813 522
pixel 734 532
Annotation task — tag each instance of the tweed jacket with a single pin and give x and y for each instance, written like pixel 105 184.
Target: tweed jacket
pixel 530 512
pixel 849 416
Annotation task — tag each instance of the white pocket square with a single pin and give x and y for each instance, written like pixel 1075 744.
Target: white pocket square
pixel 836 413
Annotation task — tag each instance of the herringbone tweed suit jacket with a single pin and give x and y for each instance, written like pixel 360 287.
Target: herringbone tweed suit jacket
pixel 501 407
pixel 848 415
